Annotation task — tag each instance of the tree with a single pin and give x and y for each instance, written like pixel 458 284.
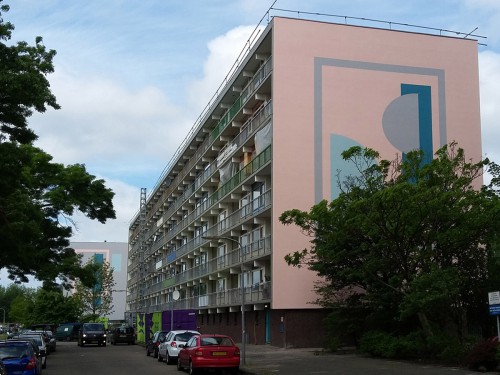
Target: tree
pixel 21 308
pixel 94 290
pixel 51 306
pixel 37 196
pixel 404 242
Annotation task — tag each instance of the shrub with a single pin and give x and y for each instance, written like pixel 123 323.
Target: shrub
pixel 446 348
pixel 483 355
pixel 379 344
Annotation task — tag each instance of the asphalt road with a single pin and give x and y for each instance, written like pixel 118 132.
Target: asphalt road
pixel 120 359
pixel 131 359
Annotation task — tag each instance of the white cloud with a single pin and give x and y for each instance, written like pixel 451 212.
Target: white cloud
pixel 489 78
pixel 223 52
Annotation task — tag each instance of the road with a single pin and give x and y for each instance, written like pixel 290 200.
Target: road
pixel 120 359
pixel 131 359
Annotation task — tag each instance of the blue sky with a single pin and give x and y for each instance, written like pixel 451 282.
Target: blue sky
pixel 133 76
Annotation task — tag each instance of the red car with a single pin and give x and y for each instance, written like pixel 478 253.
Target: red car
pixel 209 351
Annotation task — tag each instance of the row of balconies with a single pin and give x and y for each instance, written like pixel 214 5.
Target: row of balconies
pixel 253 251
pixel 250 128
pixel 265 200
pixel 256 207
pixel 251 88
pixel 256 296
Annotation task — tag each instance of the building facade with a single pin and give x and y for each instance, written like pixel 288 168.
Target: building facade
pixel 115 253
pixel 207 240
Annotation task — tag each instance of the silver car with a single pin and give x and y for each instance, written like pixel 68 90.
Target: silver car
pixel 169 348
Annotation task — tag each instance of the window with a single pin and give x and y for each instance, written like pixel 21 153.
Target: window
pixel 222 220
pixel 221 256
pixel 257 191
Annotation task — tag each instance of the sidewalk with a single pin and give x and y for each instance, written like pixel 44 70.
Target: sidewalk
pixel 267 359
pixel 270 360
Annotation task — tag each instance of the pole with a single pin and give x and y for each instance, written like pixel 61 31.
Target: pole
pixel 243 332
pixel 172 315
pixel 498 327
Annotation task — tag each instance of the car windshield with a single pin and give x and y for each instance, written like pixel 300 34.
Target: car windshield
pixel 14 351
pixel 37 339
pixel 222 341
pixel 185 336
pixel 94 327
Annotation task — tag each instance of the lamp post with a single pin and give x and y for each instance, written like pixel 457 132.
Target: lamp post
pixel 243 333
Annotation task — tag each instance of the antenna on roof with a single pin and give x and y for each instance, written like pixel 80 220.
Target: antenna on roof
pixel 470 33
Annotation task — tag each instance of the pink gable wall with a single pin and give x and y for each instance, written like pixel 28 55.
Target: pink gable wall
pixel 362 73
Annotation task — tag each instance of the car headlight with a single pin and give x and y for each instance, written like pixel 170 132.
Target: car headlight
pixel 104 335
pixel 84 335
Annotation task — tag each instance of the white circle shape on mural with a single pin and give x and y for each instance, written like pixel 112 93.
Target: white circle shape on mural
pixel 176 295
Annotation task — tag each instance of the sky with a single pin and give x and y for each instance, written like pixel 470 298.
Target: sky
pixel 132 77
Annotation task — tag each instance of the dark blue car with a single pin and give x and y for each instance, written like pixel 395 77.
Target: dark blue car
pixel 18 357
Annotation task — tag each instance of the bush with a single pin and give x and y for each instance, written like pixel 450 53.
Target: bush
pixel 385 345
pixel 483 355
pixel 445 348
pixel 379 344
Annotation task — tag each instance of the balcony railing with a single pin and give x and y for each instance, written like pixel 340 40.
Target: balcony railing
pixel 258 293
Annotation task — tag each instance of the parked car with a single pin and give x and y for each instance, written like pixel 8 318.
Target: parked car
pixel 92 333
pixel 18 357
pixel 169 348
pixel 40 341
pixel 153 344
pixel 33 343
pixel 51 341
pixel 3 370
pixel 123 334
pixel 68 331
pixel 209 351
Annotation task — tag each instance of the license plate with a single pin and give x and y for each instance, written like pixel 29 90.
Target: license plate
pixel 219 353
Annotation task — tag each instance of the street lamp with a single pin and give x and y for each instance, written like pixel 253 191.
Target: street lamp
pixel 243 333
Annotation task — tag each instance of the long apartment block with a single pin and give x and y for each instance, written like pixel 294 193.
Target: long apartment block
pixel 207 240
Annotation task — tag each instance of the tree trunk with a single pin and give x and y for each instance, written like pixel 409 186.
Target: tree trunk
pixel 425 324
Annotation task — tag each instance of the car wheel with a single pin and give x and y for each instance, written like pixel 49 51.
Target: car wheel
pixel 192 369
pixel 168 359
pixel 179 367
pixel 155 353
pixel 147 352
pixel 44 364
pixel 234 371
pixel 104 343
pixel 160 358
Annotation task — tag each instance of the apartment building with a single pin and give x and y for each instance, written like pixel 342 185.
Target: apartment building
pixel 207 242
pixel 116 255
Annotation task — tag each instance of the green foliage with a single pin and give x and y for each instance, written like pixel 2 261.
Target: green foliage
pixel 37 196
pixel 94 290
pixel 23 70
pixel 406 242
pixel 51 306
pixel 386 345
pixel 446 347
pixel 43 305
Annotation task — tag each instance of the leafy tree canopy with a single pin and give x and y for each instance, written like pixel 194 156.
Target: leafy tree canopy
pixel 37 196
pixel 405 241
pixel 94 290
